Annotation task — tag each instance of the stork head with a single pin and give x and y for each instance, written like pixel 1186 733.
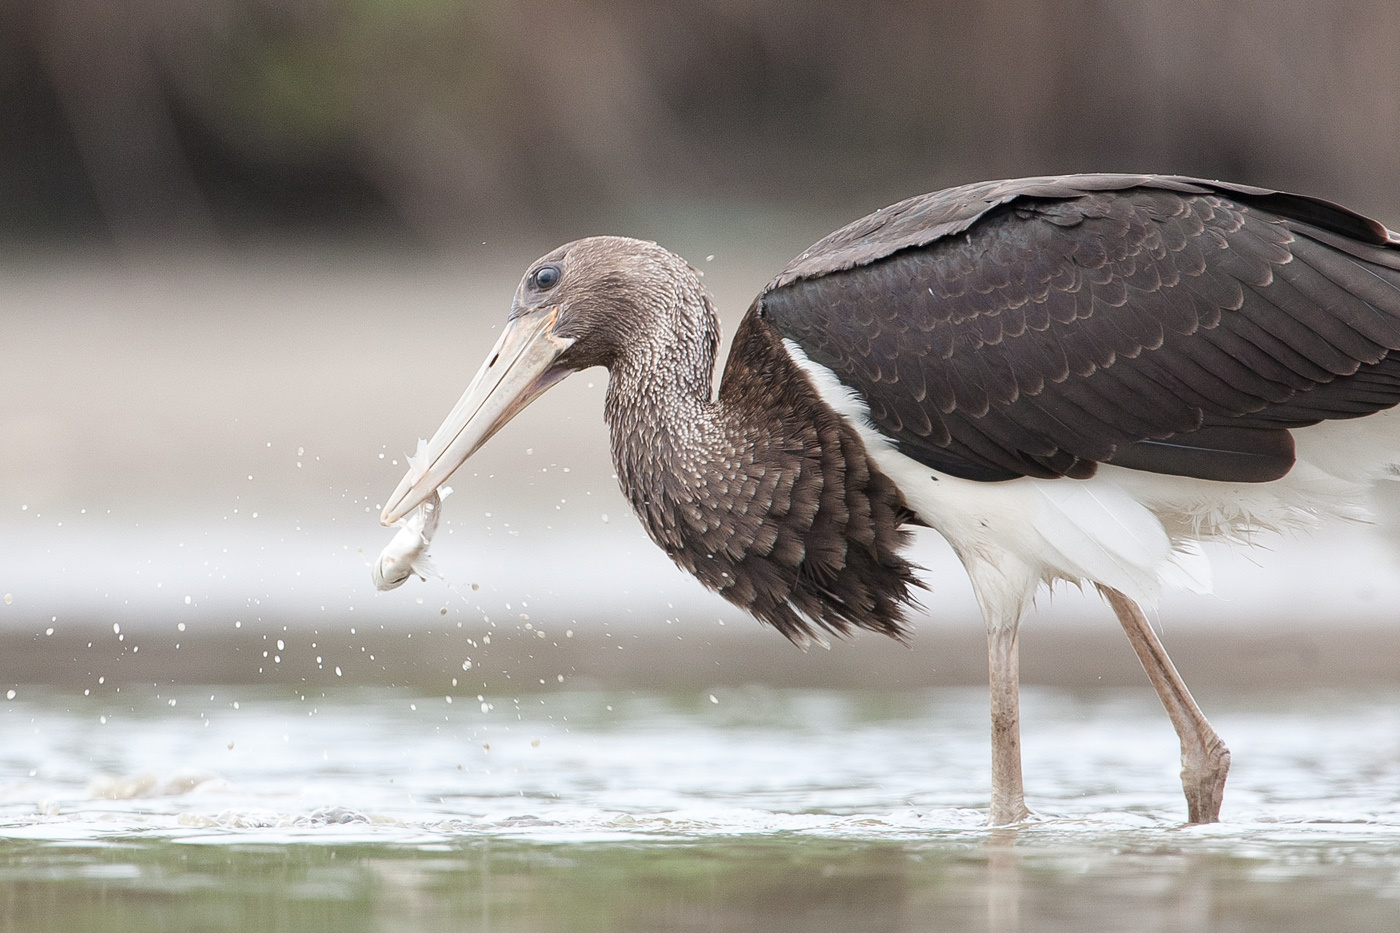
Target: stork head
pixel 584 304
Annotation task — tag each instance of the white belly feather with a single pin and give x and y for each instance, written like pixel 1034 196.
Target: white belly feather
pixel 1128 529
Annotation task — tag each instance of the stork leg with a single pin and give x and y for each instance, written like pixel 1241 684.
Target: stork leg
pixel 1205 761
pixel 1003 662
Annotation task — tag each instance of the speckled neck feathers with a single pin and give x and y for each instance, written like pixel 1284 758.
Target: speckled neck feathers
pixel 765 494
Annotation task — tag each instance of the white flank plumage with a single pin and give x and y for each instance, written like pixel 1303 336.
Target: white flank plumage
pixel 1131 530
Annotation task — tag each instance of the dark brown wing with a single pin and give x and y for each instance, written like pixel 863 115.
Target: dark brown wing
pixel 1042 326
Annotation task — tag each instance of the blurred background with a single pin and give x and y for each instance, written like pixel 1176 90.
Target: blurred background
pixel 150 123
pixel 251 250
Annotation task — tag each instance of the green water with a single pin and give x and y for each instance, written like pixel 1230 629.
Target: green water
pixel 769 885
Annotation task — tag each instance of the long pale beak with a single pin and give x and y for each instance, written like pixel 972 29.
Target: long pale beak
pixel 518 371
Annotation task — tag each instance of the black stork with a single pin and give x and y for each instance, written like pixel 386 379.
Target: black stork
pixel 1072 378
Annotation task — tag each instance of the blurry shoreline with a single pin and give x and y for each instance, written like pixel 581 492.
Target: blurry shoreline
pixel 680 658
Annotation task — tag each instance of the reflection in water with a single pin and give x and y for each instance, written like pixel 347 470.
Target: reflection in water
pixel 776 884
pixel 1003 881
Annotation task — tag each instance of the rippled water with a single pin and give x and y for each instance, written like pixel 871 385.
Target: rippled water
pixel 806 810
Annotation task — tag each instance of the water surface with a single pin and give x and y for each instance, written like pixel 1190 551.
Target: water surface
pixel 388 809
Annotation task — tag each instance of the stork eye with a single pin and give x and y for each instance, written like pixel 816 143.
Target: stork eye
pixel 546 277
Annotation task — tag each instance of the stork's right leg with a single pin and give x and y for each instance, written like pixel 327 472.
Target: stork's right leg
pixel 1205 761
pixel 1004 666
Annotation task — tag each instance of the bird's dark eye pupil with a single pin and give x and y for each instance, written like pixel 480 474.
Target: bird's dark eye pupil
pixel 547 277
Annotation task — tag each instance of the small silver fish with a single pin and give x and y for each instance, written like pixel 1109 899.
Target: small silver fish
pixel 406 553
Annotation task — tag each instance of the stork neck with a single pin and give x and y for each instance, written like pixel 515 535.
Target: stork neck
pixel 666 427
pixel 764 493
pixel 664 378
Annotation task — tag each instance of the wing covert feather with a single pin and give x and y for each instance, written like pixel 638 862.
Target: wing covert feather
pixel 1042 326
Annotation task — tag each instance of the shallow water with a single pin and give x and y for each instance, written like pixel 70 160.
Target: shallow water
pixel 385 809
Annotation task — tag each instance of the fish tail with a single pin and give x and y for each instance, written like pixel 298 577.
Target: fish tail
pixel 423 566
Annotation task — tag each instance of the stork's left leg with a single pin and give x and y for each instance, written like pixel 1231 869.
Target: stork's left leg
pixel 1008 803
pixel 1205 761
